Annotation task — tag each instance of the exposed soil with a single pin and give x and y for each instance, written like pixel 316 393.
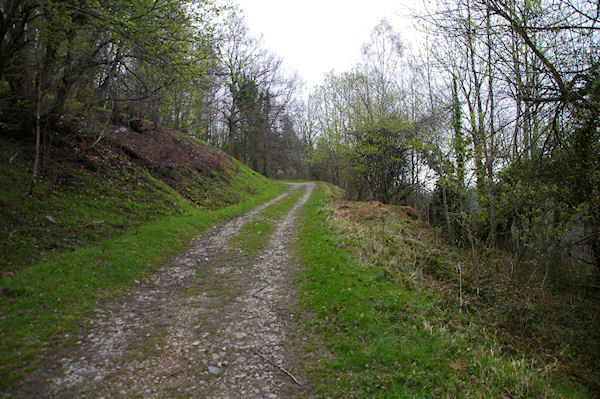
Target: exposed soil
pixel 215 323
pixel 155 148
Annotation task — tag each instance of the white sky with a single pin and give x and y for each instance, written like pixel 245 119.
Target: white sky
pixel 314 37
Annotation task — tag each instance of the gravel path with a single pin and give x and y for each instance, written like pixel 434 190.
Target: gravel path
pixel 215 323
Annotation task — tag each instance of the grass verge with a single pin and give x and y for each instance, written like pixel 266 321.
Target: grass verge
pixel 390 338
pixel 45 302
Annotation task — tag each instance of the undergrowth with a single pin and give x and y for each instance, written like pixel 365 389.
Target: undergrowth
pixel 375 288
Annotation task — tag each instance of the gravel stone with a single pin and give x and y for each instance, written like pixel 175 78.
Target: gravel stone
pixel 203 300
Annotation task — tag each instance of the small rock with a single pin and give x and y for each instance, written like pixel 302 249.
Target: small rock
pixel 240 335
pixel 195 343
pixel 214 370
pixel 215 356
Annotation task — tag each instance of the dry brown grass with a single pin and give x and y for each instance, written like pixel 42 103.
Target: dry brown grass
pixel 557 327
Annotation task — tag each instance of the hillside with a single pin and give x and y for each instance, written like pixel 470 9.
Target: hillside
pixel 90 191
pixel 103 213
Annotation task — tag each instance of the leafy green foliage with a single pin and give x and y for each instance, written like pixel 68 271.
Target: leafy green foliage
pixel 113 54
pixel 380 158
pixel 459 143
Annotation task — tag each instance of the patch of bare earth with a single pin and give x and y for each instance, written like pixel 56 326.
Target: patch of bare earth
pixel 215 323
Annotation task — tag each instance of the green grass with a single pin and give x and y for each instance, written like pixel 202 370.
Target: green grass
pixel 49 296
pixel 280 208
pixel 390 339
pixel 255 234
pixel 74 207
pixel 79 210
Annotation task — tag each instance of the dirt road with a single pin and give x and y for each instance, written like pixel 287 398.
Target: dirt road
pixel 215 323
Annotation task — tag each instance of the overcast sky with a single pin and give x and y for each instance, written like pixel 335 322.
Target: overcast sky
pixel 314 37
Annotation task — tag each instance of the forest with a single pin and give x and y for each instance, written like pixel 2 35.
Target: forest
pixel 489 127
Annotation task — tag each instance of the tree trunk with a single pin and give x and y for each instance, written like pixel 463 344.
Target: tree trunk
pixel 489 153
pixel 36 157
pixel 232 126
pixel 449 226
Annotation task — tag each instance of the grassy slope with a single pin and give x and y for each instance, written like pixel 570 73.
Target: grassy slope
pixel 392 337
pixel 87 235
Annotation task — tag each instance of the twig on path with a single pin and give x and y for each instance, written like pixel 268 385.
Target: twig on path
pixel 176 373
pixel 257 291
pixel 278 366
